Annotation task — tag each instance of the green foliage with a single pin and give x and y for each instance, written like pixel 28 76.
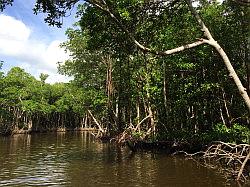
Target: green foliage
pixel 236 134
pixel 24 99
pixel 186 93
pixel 43 77
pixel 55 10
pixel 137 135
pixel 4 3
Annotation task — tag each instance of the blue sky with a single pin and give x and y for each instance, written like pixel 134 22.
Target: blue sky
pixel 28 42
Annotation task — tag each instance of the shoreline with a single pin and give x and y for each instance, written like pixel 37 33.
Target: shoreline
pixel 24 131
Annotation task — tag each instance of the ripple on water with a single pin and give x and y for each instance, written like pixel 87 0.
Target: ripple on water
pixel 72 159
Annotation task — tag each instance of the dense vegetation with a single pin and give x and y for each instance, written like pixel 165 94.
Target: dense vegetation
pixel 28 104
pixel 185 96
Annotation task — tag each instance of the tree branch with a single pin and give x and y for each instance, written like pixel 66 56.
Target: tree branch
pixel 108 10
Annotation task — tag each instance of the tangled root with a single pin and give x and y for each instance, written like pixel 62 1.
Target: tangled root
pixel 234 159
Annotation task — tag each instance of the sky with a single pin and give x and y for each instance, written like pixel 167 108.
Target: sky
pixel 28 42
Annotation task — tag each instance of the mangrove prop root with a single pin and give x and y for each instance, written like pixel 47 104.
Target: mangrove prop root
pixel 243 166
pixel 234 158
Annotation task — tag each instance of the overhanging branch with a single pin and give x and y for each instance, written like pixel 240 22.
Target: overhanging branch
pixel 108 10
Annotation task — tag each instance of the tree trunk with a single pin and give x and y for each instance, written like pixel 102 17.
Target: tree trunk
pixel 30 124
pixel 165 87
pixel 248 75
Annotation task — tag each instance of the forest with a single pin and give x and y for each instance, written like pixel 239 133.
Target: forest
pixel 143 70
pixel 119 85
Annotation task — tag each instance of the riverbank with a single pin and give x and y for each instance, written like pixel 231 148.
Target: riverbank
pixel 29 131
pixel 167 146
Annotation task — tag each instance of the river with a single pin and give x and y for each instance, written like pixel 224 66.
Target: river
pixel 76 159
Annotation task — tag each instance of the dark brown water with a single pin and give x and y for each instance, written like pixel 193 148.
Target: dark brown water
pixel 75 159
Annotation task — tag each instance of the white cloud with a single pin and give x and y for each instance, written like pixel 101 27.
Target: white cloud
pixel 34 55
pixel 54 54
pixel 13 29
pixel 36 72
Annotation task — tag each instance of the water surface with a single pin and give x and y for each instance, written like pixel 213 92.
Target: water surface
pixel 75 159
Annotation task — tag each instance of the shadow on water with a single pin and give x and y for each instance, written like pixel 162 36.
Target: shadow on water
pixel 76 159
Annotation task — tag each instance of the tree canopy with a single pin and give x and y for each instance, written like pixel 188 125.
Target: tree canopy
pixel 159 68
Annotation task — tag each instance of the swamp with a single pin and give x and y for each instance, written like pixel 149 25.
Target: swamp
pixel 158 96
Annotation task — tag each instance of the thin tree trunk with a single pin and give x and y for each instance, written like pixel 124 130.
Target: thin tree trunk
pixel 30 124
pixel 109 91
pixel 138 113
pixel 248 75
pixel 109 84
pixel 226 108
pixel 86 121
pixel 165 87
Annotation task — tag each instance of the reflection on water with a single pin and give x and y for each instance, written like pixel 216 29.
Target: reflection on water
pixel 75 159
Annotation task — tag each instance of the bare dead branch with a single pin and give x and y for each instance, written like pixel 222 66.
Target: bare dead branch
pixel 233 157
